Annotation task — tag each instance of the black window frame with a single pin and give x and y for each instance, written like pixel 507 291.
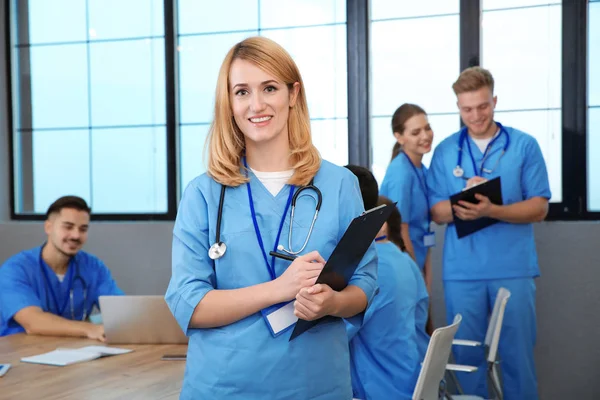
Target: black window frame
pixel 574 103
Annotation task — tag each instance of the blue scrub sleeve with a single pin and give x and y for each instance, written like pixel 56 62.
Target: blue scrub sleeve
pixel 436 182
pixel 16 292
pixel 399 190
pixel 534 179
pixel 192 270
pixel 106 284
pixel 365 275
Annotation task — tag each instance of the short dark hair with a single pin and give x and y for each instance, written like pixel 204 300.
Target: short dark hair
pixel 368 185
pixel 74 202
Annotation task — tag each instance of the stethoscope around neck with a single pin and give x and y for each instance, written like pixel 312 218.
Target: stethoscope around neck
pixel 76 278
pixel 458 171
pixel 218 249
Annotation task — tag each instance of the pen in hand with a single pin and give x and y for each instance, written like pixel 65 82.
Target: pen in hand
pixel 282 256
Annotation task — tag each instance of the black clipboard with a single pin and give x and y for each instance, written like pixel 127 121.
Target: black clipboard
pixel 491 189
pixel 347 255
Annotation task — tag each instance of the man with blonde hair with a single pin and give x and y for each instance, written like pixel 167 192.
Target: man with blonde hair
pixel 502 254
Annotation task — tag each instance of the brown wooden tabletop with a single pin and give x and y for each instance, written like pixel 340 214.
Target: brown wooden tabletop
pixel 140 374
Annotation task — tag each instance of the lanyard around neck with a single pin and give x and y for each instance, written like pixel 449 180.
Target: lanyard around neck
pixel 49 287
pixel 270 266
pixel 423 186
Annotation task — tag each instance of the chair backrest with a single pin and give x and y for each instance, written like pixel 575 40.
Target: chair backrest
pixel 492 337
pixel 434 365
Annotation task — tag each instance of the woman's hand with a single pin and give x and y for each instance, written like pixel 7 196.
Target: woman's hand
pixel 302 273
pixel 315 302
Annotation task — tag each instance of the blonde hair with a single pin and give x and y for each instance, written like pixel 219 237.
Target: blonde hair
pixel 473 78
pixel 225 139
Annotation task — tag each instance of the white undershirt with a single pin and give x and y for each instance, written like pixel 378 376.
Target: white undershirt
pixel 61 277
pixel 483 143
pixel 274 181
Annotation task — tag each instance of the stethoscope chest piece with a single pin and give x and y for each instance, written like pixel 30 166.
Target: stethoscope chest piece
pixel 458 171
pixel 217 250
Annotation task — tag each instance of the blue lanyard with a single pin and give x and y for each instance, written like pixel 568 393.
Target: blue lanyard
pixel 463 137
pixel 60 311
pixel 271 266
pixel 424 187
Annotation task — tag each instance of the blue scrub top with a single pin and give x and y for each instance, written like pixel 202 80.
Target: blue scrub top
pixel 503 250
pixel 387 350
pixel 23 284
pixel 402 185
pixel 242 360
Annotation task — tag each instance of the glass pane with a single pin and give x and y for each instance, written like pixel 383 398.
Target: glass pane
pixel 113 19
pixel 415 71
pixel 388 9
pixel 502 4
pixel 279 14
pixel 546 127
pixel 383 139
pixel 325 80
pixel 594 54
pixel 61 166
pixel 192 152
pixel 129 90
pixel 593 182
pixel 56 21
pixel 129 170
pixel 200 58
pixel 195 17
pixel 59 89
pixel 330 136
pixel 525 59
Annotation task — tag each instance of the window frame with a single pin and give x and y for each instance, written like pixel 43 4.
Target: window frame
pixel 11 36
pixel 574 108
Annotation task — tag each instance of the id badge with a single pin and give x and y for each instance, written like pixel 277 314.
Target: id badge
pixel 429 239
pixel 279 317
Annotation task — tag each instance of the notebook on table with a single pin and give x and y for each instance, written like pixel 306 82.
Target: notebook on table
pixel 62 357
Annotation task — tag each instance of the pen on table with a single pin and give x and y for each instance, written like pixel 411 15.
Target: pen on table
pixel 282 256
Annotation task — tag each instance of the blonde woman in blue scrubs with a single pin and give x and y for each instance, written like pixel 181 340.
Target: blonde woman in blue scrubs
pixel 261 153
pixel 405 182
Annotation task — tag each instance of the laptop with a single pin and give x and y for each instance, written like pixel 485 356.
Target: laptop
pixel 139 320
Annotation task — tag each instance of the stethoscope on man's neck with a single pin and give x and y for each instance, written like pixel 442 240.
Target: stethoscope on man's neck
pixel 72 275
pixel 459 172
pixel 218 249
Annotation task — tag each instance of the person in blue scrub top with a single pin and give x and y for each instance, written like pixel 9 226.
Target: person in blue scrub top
pixel 387 350
pixel 476 266
pixel 236 302
pixel 52 289
pixel 404 182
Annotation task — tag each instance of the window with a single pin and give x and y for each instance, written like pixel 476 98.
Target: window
pixel 89 105
pixel 308 30
pixel 526 63
pixel 418 66
pixel 593 144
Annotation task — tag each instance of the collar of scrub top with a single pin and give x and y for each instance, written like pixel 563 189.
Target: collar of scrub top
pixel 270 266
pixel 73 275
pixel 463 137
pixel 423 186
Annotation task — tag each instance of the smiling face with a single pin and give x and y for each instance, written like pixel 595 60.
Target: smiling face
pixel 417 136
pixel 67 230
pixel 260 103
pixel 477 111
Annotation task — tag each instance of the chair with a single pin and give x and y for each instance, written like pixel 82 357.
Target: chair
pixel 434 364
pixel 492 339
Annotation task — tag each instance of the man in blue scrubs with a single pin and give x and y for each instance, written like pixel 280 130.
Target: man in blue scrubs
pixel 476 266
pixel 51 289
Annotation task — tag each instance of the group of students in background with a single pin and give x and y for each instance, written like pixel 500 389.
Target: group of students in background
pixel 260 154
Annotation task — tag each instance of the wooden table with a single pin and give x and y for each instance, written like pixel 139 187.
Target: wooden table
pixel 140 374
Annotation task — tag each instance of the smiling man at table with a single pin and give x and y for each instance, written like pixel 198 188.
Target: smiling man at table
pixel 52 289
